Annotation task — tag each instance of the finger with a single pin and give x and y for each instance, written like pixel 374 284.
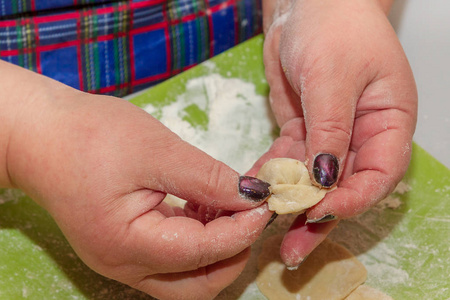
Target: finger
pixel 302 239
pixel 378 165
pixel 197 177
pixel 155 158
pixel 158 159
pixel 179 244
pixel 284 102
pixel 203 283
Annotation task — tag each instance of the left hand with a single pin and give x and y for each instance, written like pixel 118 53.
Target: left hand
pixel 340 84
pixel 101 167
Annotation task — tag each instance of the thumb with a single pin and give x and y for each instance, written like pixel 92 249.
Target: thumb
pixel 193 175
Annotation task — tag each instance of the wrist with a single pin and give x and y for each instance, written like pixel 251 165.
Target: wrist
pixel 26 108
pixel 16 93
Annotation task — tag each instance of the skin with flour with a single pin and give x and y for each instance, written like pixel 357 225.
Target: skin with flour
pixel 340 84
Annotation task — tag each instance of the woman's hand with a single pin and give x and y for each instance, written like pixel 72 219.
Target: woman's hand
pixel 340 86
pixel 102 166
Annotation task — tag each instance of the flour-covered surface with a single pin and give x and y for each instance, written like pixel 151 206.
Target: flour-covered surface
pixel 222 116
pixel 403 242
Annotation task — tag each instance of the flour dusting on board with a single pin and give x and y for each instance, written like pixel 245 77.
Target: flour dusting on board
pixel 212 110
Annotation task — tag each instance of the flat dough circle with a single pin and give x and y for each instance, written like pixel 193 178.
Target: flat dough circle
pixel 365 292
pixel 329 272
pixel 290 185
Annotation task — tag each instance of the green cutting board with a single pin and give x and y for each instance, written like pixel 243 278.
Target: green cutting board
pixel 405 249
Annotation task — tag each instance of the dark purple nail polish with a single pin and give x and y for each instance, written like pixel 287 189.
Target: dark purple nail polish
pixel 325 169
pixel 272 218
pixel 324 219
pixel 253 188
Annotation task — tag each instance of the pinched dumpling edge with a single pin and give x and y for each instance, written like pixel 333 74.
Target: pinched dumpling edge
pixel 290 185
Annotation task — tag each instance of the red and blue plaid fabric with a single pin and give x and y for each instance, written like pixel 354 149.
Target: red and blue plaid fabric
pixel 119 47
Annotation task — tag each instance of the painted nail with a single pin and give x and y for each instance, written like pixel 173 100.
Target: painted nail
pixel 272 218
pixel 324 219
pixel 293 268
pixel 325 169
pixel 253 188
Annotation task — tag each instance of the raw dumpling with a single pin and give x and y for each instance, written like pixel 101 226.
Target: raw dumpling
pixel 291 187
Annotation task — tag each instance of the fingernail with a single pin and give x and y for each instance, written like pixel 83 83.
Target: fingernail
pixel 253 188
pixel 293 268
pixel 325 169
pixel 324 219
pixel 272 218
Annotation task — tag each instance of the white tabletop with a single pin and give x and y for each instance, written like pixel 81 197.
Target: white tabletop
pixel 423 28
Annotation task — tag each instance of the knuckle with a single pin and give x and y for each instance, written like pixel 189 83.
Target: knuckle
pixel 205 256
pixel 217 171
pixel 333 130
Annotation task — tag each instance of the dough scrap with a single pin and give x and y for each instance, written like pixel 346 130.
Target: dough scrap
pixel 365 292
pixel 291 188
pixel 329 272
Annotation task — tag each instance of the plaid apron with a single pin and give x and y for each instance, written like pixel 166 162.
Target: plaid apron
pixel 120 47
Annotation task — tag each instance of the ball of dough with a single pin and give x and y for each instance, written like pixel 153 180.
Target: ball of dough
pixel 291 187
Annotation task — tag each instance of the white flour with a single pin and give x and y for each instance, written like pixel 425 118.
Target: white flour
pixel 225 106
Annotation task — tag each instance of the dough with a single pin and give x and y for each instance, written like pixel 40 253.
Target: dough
pixel 365 292
pixel 174 201
pixel 330 272
pixel 291 187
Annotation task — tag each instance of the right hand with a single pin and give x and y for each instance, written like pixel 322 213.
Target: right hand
pixel 344 96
